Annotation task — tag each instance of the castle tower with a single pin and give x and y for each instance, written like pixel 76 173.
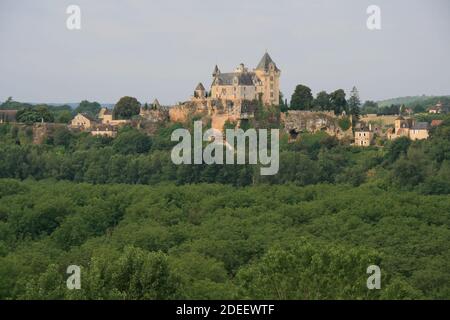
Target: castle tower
pixel 269 75
pixel 200 91
pixel 216 71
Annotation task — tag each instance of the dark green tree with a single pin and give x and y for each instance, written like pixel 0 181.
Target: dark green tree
pixel 338 101
pixel 322 101
pixel 369 107
pixel 302 98
pixel 132 142
pixel 91 108
pixel 354 104
pixel 126 108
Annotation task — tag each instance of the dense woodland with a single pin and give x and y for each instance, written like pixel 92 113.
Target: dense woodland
pixel 143 228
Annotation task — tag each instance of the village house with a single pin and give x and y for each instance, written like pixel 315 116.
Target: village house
pixel 363 137
pixel 408 128
pixel 82 121
pixel 105 116
pixel 419 131
pixel 104 130
pixel 437 109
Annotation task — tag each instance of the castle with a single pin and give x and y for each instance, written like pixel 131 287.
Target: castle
pixel 233 96
pixel 261 83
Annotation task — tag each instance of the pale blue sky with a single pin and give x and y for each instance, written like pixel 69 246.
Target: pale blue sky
pixel 163 48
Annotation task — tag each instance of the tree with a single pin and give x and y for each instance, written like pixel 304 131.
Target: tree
pixel 354 104
pixel 302 98
pixel 322 100
pixel 369 107
pixel 62 137
pixel 131 142
pixel 64 117
pixel 126 108
pixel 283 104
pixel 397 148
pixel 35 114
pixel 338 101
pixel 307 270
pixel 91 108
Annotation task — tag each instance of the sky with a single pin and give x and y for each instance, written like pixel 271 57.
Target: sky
pixel 163 48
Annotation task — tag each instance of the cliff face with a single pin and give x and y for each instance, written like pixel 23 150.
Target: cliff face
pixel 159 115
pixel 182 113
pixel 297 121
pixel 42 130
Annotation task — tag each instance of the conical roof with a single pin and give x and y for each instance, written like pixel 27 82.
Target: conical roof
pixel 216 71
pixel 265 62
pixel 200 87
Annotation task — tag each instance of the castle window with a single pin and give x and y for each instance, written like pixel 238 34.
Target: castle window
pixel 271 78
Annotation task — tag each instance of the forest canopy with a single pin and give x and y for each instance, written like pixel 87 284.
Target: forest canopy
pixel 211 241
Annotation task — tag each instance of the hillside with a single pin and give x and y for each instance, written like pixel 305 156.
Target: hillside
pixel 413 100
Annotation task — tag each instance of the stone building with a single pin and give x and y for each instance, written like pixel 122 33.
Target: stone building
pixel 105 116
pixel 363 137
pixel 407 127
pixel 104 130
pixel 82 121
pixel 263 82
pixel 437 109
pixel 419 131
pixel 233 96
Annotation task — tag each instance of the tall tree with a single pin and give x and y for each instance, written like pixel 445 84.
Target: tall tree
pixel 126 108
pixel 283 105
pixel 91 108
pixel 369 107
pixel 354 104
pixel 302 98
pixel 322 100
pixel 338 101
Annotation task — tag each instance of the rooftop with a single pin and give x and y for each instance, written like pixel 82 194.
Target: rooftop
pixel 420 126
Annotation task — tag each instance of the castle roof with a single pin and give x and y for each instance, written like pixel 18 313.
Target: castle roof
pixel 265 62
pixel 200 87
pixel 87 116
pixel 227 79
pixel 216 70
